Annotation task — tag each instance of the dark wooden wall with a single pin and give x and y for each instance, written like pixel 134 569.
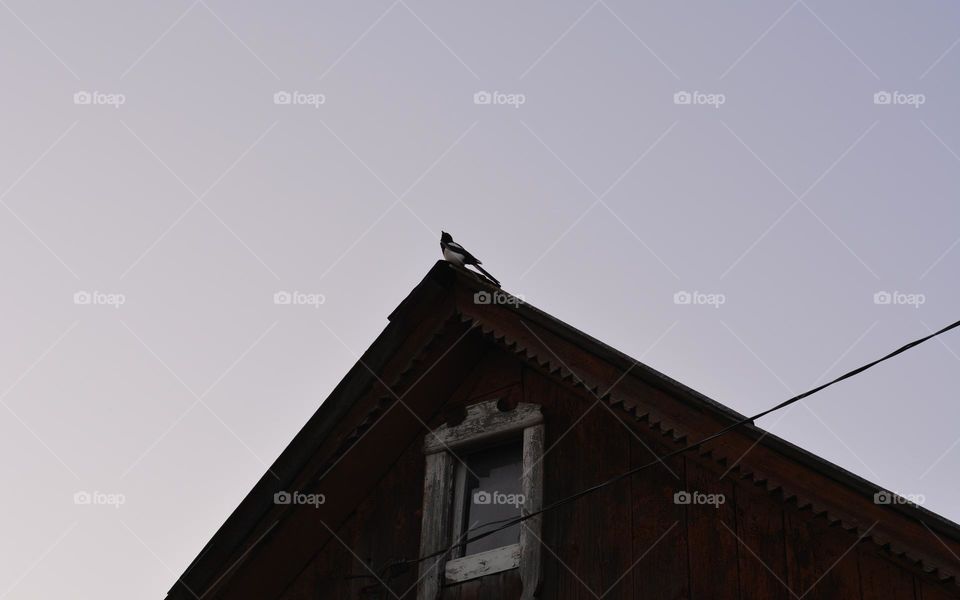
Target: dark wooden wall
pixel 629 540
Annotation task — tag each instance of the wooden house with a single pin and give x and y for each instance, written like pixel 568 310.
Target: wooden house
pixel 473 407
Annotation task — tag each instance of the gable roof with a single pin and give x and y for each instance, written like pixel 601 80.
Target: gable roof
pixel 442 307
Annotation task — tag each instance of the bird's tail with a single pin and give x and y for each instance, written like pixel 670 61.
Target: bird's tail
pixel 488 275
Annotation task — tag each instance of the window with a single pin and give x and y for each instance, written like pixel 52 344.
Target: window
pixel 491 493
pixel 484 470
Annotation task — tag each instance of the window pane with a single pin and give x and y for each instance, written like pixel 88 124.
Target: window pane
pixel 493 494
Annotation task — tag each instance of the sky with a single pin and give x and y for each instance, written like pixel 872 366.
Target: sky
pixel 750 197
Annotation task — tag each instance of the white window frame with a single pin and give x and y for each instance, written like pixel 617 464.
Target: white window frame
pixel 444 502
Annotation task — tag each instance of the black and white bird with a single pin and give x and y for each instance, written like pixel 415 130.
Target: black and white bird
pixel 460 256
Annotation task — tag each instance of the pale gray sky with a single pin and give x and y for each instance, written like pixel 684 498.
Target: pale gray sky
pixel 174 182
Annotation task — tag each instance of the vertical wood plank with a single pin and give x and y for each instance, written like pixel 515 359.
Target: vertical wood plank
pixel 609 439
pixel 468 590
pixel 334 565
pixel 531 485
pixel 498 370
pixel 565 529
pixel 821 560
pixel 710 527
pixel 762 555
pixel 663 571
pixel 499 586
pixel 881 578
pixel 580 569
pixel 435 525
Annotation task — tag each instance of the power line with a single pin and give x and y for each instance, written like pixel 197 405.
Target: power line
pixel 507 523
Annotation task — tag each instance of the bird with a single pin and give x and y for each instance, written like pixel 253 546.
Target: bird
pixel 460 256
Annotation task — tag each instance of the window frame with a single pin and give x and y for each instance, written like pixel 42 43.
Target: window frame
pixel 443 498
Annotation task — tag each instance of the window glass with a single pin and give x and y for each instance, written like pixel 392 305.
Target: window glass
pixel 493 494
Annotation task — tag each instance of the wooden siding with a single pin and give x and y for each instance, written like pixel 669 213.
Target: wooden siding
pixel 630 540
